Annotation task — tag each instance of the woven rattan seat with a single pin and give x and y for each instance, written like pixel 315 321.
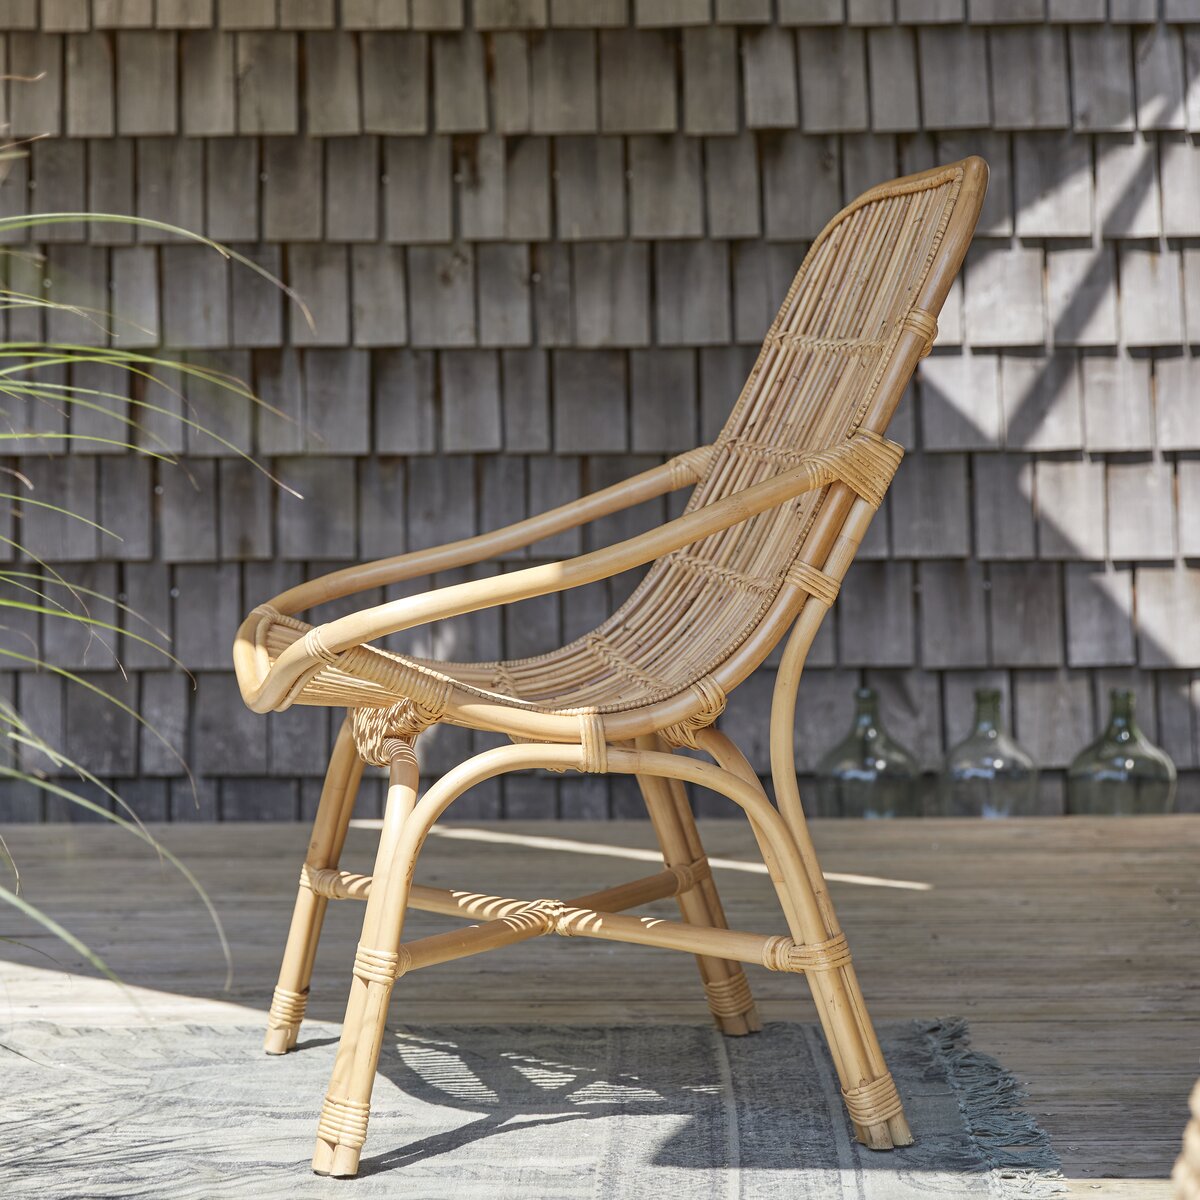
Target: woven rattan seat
pixel 779 504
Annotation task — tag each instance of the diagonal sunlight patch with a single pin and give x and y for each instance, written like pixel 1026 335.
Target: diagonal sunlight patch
pixel 651 856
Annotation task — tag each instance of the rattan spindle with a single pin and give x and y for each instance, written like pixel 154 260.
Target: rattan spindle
pixel 780 502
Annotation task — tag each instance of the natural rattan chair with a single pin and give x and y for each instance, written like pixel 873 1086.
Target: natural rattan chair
pixel 780 503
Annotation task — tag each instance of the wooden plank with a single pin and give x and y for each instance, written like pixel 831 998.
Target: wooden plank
pixel 267 96
pixel 710 80
pixel 1003 505
pixel 833 80
pixel 691 293
pixel 589 178
pixel 562 82
pixel 394 82
pixel 1099 615
pixel 637 81
pixel 416 194
pixel 331 84
pixel 665 187
pixel 209 83
pixel 769 79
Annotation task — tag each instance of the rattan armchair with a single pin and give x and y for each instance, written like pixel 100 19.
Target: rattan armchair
pixel 781 501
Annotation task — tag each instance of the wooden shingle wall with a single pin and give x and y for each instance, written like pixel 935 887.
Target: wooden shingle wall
pixel 541 240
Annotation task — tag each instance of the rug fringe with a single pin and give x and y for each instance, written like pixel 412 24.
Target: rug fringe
pixel 989 1098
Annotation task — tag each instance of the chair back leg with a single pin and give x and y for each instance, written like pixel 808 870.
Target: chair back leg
pixel 324 851
pixel 725 984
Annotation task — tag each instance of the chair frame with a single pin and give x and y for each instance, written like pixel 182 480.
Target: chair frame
pixel 636 742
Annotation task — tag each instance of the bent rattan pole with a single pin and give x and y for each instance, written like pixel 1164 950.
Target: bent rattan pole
pixel 324 851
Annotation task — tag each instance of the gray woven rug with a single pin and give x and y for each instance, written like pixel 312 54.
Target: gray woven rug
pixel 493 1112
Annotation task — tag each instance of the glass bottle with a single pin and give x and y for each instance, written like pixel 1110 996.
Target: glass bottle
pixel 868 774
pixel 987 774
pixel 1122 772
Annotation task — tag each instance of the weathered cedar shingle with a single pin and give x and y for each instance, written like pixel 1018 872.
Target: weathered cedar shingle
pixel 375 14
pixel 953 621
pixel 1180 165
pixel 731 189
pixel 1042 409
pixel 382 497
pixel 710 80
pixel 322 524
pixel 954 77
pixel 405 404
pixel 769 79
pixel 134 301
pixel 58 181
pixel 504 303
pixel 1053 716
pixel 928 504
pixel 589 190
pixel 1004 296
pixel 1003 505
pixel 337 401
pixel 1158 78
pixel 306 14
pixel 319 273
pixel 1151 296
pixel 509 79
pixel 170 184
pixel 394 82
pixel 665 187
pixel 244 495
pixel 291 206
pixel 1026 606
pixel 1070 508
pixel 833 80
pixel 525 381
pixel 209 83
pixel 892 63
pixel 1168 636
pixel 36 104
pixel 89 84
pixel 551 281
pixel 257 303
pixel 1054 185
pixel 470 392
pixel 611 293
pixel 416 196
pixel 331 87
pixel 637 81
pixel 437 14
pixel 662 388
pixel 691 293
pixel 1036 55
pixel 960 402
pixel 267 96
pixel 1081 295
pixel 1099 603
pixel 459 87
pixel 590 405
pixel 1101 78
pixel 195 297
pixel 1140 524
pixel 1127 197
pixel 379 305
pixel 527 189
pixel 110 189
pixel 1177 387
pixel 441 282
pixel 875 620
pixel 231 189
pixel 352 187
pixel 800 184
pixel 480 171
pixel 671 12
pixel 562 82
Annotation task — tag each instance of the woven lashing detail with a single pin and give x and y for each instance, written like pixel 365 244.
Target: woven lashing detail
pixel 729 997
pixel 344 1122
pixel 712 705
pixel 595 748
pixel 815 582
pixel 688 875
pixel 873 1103
pixel 865 464
pixel 690 466
pixel 784 954
pixel 380 966
pixel 287 1009
pixel 826 345
pixel 925 324
pixel 381 734
pixel 314 647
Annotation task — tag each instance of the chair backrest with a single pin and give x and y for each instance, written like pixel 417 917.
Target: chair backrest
pixel 816 381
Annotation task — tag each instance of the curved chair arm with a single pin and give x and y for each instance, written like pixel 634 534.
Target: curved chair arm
pixel 681 471
pixel 865 462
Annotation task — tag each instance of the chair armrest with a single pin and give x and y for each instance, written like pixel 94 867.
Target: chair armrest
pixel 860 462
pixel 678 472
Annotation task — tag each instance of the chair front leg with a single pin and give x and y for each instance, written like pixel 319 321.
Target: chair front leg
pixel 342 1129
pixel 324 850
pixel 724 981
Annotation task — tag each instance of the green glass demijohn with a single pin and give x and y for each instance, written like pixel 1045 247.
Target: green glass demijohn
pixel 868 774
pixel 1122 772
pixel 987 774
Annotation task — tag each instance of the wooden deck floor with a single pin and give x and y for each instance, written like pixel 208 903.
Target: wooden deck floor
pixel 1072 946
